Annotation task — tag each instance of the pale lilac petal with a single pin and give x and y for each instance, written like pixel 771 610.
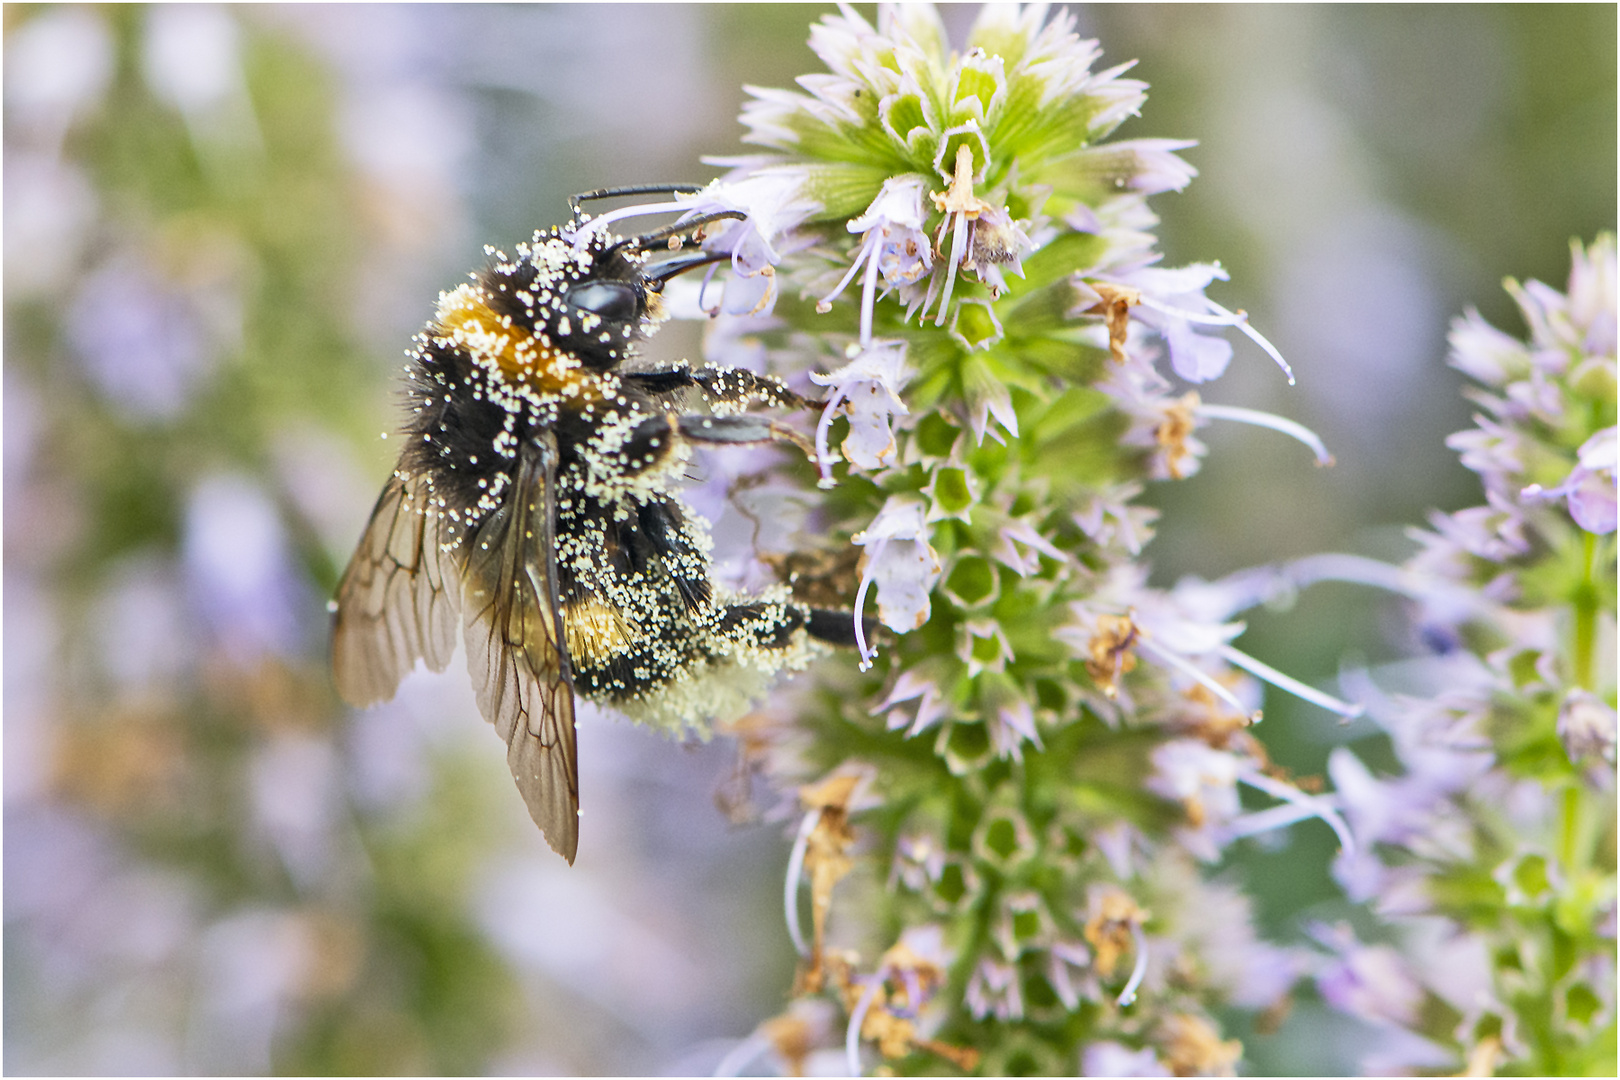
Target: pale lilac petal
pixel 1592 500
pixel 1116 1059
pixel 1196 357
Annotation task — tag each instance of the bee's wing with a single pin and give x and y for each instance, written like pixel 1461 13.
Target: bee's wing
pixel 516 651
pixel 400 598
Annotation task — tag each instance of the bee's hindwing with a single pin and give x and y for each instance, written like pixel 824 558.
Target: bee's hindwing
pixel 399 600
pixel 516 651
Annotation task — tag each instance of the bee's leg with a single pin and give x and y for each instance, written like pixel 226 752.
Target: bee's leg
pixel 731 386
pixel 743 428
pixel 739 386
pixel 632 189
pixel 661 382
pixel 652 441
pixel 836 627
pixel 756 622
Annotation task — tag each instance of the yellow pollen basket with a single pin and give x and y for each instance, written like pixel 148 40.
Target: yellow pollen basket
pixel 595 632
pixel 465 320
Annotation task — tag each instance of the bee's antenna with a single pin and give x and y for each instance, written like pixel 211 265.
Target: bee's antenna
pixel 669 268
pixel 677 229
pixel 630 189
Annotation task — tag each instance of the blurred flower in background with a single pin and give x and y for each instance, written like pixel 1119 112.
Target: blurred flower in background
pixel 1490 857
pixel 221 223
pixel 222 226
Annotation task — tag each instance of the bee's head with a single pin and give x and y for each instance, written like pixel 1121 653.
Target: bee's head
pixel 603 304
pixel 591 293
pixel 616 300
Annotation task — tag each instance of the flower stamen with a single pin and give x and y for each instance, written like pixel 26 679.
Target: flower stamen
pixel 1127 996
pixel 1240 319
pixel 601 221
pixel 1173 432
pixel 1301 804
pixel 857 1017
pixel 905 566
pixel 1269 420
pixel 1276 678
pixel 1116 924
pixel 961 208
pixel 1115 307
pixel 1181 664
pixel 795 870
pixel 1111 656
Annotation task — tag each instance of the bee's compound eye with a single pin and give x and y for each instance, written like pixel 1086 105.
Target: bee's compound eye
pixel 613 300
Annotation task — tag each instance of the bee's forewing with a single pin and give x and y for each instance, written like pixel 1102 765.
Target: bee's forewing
pixel 515 648
pixel 399 600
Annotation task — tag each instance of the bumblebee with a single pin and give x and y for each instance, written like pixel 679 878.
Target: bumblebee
pixel 535 513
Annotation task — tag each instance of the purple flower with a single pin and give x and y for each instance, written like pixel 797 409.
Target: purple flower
pixel 1592 296
pixel 1214 923
pixel 1149 166
pixel 1369 981
pixel 1170 302
pixel 1493 450
pixel 867 390
pixel 986 396
pixel 997 241
pixel 1590 487
pixel 1069 962
pixel 239 568
pixel 1483 352
pixel 144 344
pixel 962 209
pixel 1022 546
pixel 1159 422
pixel 1112 515
pixel 773 200
pixel 1586 726
pixel 920 696
pixel 893 243
pixel 1123 845
pixel 1204 781
pixel 1583 320
pixel 1011 727
pixel 993 990
pixel 903 565
pixel 1494 532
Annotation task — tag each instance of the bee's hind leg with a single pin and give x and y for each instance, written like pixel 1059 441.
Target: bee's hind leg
pixel 836 627
pixel 822 624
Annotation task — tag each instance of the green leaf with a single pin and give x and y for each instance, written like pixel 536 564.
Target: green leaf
pixel 972 580
pixel 844 190
pixel 952 493
pixel 902 114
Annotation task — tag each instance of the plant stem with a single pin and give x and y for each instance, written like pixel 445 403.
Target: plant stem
pixel 1586 609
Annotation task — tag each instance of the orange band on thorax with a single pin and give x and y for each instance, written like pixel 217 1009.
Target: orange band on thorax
pixel 465 320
